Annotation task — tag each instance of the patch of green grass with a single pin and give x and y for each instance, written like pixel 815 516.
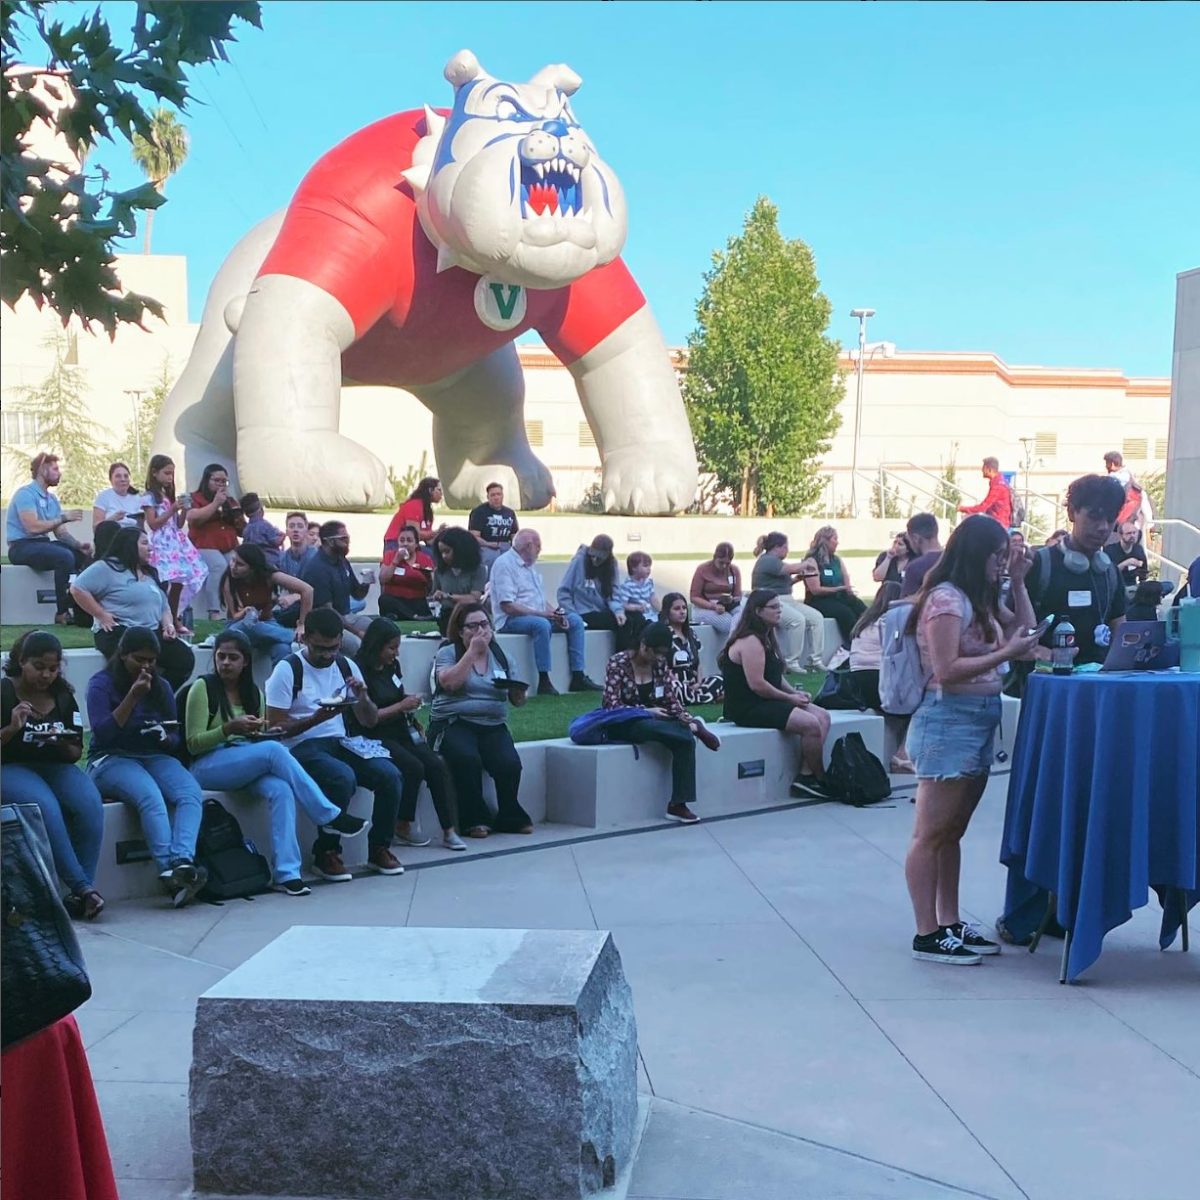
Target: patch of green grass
pixel 74 638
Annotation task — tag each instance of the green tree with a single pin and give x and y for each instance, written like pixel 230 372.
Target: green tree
pixel 762 385
pixel 134 449
pixel 65 426
pixel 160 156
pixel 59 223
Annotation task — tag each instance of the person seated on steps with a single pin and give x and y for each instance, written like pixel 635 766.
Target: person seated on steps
pixel 828 588
pixel 307 695
pixel 122 591
pixel 759 697
pixel 589 586
pixel 473 688
pixel 294 556
pixel 642 678
pixel 493 524
pixel 685 654
pixel 405 579
pixel 400 732
pixel 260 532
pixel 227 738
pixel 636 601
pixel 799 623
pixel 717 591
pixel 215 520
pixel 335 583
pixel 459 576
pixel 519 605
pixel 248 592
pixel 133 758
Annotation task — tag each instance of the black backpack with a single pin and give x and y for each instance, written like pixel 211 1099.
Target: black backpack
pixel 293 660
pixel 855 773
pixel 234 870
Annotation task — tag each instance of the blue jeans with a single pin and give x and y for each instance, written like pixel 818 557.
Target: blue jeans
pixel 44 555
pixel 338 772
pixel 268 771
pixel 67 798
pixel 540 629
pixel 149 784
pixel 270 636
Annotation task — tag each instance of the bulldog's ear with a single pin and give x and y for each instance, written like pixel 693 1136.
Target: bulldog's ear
pixel 462 68
pixel 560 76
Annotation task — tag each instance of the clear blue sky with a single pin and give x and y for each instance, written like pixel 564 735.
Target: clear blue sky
pixel 1016 178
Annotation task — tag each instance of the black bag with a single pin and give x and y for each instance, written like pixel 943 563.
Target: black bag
pixel 840 691
pixel 44 977
pixel 235 871
pixel 856 774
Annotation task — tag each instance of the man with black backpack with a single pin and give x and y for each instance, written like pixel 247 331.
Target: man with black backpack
pixel 306 697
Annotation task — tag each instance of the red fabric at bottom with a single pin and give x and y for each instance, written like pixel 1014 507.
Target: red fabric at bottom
pixel 53 1143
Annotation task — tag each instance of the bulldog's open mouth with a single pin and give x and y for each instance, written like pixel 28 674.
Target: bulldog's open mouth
pixel 550 187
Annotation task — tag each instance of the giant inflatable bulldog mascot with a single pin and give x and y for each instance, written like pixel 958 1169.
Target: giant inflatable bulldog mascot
pixel 412 255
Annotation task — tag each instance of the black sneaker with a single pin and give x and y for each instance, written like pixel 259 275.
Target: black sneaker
pixel 942 946
pixel 346 825
pixel 293 887
pixel 812 788
pixel 974 941
pixel 583 683
pixel 545 687
pixel 186 883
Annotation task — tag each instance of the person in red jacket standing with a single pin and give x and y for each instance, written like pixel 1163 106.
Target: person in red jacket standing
pixel 998 503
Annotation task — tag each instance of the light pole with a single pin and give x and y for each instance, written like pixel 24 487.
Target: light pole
pixel 135 400
pixel 862 314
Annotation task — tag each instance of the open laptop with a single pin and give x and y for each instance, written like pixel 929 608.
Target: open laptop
pixel 1141 646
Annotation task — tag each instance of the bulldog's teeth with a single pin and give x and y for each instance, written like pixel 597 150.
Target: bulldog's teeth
pixel 540 168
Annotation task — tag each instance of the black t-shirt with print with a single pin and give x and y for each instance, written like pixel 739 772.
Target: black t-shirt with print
pixel 63 718
pixel 1094 597
pixel 493 524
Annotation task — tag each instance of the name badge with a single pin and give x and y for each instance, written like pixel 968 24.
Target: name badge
pixel 659 691
pixel 1079 599
pixel 682 658
pixel 729 578
pixel 828 572
pixel 399 570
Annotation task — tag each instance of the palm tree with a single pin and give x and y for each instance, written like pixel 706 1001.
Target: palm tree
pixel 160 155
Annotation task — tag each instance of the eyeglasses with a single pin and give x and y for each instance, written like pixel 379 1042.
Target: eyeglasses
pixel 476 624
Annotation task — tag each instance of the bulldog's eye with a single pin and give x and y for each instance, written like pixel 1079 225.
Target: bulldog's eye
pixel 507 110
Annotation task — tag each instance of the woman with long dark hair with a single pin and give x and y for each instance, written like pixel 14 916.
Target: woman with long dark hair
pixel 758 695
pixel 473 688
pixel 685 654
pixel 179 565
pixel 399 730
pixel 416 511
pixel 122 591
pixel 214 520
pixel 589 585
pixel 135 740
pixel 231 750
pixel 717 591
pixel 459 576
pixel 866 646
pixel 41 742
pixel 965 635
pixel 248 592
pixel 828 588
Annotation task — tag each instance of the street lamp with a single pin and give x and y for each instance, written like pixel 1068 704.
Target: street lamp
pixel 865 351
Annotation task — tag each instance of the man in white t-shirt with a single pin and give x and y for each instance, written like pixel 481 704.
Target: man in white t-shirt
pixel 317 736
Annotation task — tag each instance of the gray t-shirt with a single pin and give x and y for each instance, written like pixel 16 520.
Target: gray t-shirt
pixel 135 603
pixel 479 700
pixel 769 574
pixel 459 583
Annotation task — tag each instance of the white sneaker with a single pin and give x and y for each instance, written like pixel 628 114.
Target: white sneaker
pixel 451 841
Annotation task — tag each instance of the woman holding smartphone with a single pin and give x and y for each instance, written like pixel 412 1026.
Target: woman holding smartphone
pixel 232 749
pixel 965 635
pixel 399 730
pixel 472 692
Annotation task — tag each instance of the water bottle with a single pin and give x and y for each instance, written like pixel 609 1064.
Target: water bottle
pixel 1061 646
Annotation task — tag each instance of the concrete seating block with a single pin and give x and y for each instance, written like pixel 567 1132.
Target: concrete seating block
pixel 606 787
pixel 509 1057
pixel 26 596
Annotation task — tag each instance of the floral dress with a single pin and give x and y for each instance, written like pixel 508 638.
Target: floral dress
pixel 174 557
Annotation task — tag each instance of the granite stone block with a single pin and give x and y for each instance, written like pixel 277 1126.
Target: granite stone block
pixel 457 1064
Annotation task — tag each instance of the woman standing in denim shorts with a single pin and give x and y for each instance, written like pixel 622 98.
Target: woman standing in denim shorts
pixel 964 634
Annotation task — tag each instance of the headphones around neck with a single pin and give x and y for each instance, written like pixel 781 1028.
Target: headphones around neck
pixel 1079 563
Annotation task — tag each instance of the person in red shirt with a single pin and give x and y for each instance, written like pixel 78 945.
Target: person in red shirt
pixel 998 503
pixel 215 522
pixel 404 580
pixel 416 511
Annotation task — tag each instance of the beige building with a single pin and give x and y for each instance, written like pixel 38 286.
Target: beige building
pixel 919 409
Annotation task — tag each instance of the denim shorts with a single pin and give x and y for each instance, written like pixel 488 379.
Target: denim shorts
pixel 952 735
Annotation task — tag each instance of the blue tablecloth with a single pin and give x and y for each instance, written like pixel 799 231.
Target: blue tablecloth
pixel 1102 804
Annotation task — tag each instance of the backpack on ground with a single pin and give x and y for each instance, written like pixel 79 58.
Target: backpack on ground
pixel 855 773
pixel 235 871
pixel 902 678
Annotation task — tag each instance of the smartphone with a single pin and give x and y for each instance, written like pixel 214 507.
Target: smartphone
pixel 1042 626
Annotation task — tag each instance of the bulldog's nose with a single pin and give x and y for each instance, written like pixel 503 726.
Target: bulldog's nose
pixel 556 126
